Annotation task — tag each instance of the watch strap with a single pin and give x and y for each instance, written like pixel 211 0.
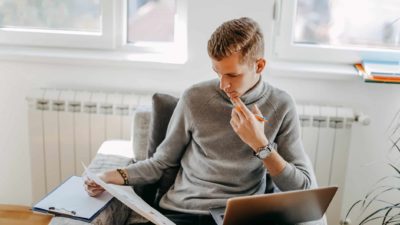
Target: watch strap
pixel 269 147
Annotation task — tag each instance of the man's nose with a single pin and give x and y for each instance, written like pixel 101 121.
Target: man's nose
pixel 224 84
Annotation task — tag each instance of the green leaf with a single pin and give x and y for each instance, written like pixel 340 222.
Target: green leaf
pixel 394 219
pixel 386 215
pixel 351 208
pixel 378 211
pixel 374 198
pixel 395 168
pixel 393 122
pixel 395 144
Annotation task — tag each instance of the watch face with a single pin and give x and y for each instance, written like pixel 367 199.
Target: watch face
pixel 263 154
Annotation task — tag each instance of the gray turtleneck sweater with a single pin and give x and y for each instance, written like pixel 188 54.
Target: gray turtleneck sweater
pixel 215 163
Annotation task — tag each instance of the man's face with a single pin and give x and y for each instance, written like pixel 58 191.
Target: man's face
pixel 236 77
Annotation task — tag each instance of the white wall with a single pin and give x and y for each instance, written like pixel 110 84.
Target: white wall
pixel 17 78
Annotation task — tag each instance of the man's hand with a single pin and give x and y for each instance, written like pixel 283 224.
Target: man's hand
pixel 110 176
pixel 246 125
pixel 251 131
pixel 92 188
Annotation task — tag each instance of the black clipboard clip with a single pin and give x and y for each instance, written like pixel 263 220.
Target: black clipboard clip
pixel 62 211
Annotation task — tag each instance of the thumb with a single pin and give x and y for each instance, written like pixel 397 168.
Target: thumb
pixel 256 110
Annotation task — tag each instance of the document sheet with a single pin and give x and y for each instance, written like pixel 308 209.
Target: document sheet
pixel 128 196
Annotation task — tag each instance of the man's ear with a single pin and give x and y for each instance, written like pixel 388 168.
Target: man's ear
pixel 260 65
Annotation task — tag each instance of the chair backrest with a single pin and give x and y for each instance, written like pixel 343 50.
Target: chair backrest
pixel 149 130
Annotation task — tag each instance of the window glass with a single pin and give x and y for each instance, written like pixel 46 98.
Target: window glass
pixel 348 23
pixel 151 20
pixel 66 15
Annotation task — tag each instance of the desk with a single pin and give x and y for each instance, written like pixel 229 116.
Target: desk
pixel 22 215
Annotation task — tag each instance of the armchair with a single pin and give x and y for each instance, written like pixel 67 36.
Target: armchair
pixel 148 130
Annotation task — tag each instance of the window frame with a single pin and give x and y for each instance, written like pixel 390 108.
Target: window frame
pixel 66 39
pixel 284 49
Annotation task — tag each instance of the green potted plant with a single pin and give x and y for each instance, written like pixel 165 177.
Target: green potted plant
pixel 374 208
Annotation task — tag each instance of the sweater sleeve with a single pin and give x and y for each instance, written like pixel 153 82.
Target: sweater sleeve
pixel 298 173
pixel 169 152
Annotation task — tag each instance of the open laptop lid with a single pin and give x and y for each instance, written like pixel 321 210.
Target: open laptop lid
pixel 278 208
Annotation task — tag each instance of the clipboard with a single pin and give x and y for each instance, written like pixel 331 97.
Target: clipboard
pixel 71 200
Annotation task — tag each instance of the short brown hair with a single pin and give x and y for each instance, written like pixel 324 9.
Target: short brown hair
pixel 239 35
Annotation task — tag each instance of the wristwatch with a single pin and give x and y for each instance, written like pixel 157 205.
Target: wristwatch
pixel 264 152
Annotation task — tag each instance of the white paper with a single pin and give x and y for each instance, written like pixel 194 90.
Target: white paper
pixel 71 196
pixel 127 196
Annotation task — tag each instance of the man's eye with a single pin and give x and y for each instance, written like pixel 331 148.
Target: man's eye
pixel 234 75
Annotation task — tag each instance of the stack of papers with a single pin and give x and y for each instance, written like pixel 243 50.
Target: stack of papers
pixel 389 69
pixel 380 72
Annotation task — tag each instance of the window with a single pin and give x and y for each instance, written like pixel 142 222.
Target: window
pixel 155 26
pixel 150 20
pixel 48 23
pixel 77 15
pixel 341 31
pixel 124 26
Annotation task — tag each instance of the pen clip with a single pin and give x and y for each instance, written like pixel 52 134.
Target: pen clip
pixel 62 211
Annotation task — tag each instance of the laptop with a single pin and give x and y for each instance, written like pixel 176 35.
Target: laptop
pixel 289 207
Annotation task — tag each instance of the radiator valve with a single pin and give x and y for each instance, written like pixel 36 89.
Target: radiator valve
pixel 363 119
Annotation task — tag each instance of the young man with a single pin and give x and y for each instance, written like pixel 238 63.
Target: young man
pixel 223 147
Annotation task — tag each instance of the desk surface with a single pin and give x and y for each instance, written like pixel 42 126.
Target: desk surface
pixel 22 215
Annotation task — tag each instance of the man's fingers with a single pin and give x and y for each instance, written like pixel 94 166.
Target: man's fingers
pixel 93 191
pixel 91 184
pixel 92 188
pixel 98 191
pixel 236 116
pixel 234 125
pixel 89 191
pixel 88 182
pixel 242 109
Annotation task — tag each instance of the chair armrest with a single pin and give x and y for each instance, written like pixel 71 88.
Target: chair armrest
pixel 140 132
pixel 111 155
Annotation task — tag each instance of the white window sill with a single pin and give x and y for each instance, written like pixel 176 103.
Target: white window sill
pixel 168 59
pixel 292 69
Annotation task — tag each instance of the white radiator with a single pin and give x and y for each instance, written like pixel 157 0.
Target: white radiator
pixel 67 127
pixel 326 134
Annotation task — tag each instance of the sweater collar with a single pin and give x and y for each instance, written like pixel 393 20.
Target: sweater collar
pixel 252 95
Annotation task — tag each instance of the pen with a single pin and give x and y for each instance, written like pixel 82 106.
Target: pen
pixel 263 119
pixel 260 118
